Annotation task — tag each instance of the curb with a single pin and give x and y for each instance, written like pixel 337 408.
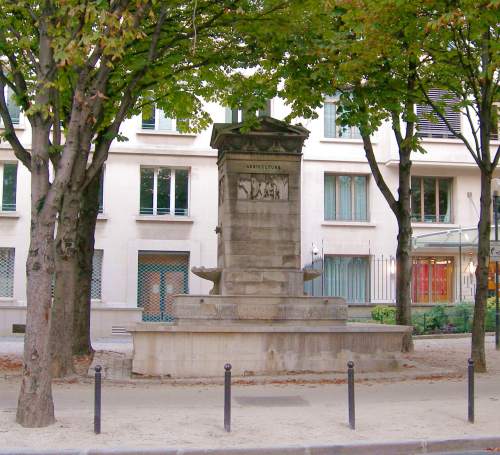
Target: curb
pixel 438 336
pixel 383 448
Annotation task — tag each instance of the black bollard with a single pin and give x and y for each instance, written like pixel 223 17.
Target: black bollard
pixel 350 393
pixel 471 389
pixel 97 400
pixel 227 397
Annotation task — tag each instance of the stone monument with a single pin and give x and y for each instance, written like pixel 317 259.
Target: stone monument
pixel 257 316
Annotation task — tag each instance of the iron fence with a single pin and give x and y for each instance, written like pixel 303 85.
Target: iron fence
pixel 371 279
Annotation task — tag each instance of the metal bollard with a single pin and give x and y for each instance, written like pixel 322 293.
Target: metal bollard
pixel 97 400
pixel 227 397
pixel 470 371
pixel 350 393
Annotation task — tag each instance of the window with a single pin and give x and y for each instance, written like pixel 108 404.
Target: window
pixel 347 277
pixel 6 272
pixel 156 121
pixel 161 275
pixel 238 115
pixel 101 192
pixel 164 191
pixel 95 288
pixel 431 199
pixel 345 197
pixel 430 125
pixel 432 280
pixel 8 187
pixel 12 107
pixel 495 127
pixel 332 127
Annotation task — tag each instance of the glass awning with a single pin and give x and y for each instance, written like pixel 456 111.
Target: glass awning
pixel 451 239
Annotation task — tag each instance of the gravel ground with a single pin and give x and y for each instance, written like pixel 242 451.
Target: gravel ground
pixel 164 414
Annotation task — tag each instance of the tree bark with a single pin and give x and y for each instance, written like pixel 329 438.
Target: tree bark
pixel 402 211
pixel 403 250
pixel 35 405
pixel 483 254
pixel 89 210
pixel 61 332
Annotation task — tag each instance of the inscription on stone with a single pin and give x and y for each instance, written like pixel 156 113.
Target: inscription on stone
pixel 263 187
pixel 264 167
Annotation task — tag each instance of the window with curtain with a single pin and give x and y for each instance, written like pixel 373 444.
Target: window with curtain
pixel 154 119
pixel 431 199
pixel 431 125
pixel 12 107
pixel 432 280
pixel 8 187
pixel 332 127
pixel 347 277
pixel 101 192
pixel 164 191
pixel 238 115
pixel 345 197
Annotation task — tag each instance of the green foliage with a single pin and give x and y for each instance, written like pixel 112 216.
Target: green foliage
pixel 384 314
pixel 461 317
pixel 437 317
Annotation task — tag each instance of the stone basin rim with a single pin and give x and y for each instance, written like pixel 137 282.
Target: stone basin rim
pixel 258 297
pixel 350 327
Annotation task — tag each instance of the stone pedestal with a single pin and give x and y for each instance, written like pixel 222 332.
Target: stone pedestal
pixel 256 316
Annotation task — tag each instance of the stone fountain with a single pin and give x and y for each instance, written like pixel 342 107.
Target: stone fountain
pixel 256 316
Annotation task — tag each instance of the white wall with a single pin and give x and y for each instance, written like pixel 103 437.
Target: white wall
pixel 121 233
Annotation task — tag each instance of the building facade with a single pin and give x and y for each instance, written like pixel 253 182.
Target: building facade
pixel 159 213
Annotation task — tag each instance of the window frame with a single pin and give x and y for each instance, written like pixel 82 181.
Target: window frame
pixel 354 133
pixel 439 129
pixel 337 216
pixel 12 276
pixel 172 208
pixel 238 115
pixel 18 123
pixel 436 199
pixel 156 129
pixel 2 182
pixel 495 127
pixel 96 280
pixel 366 259
pixel 431 261
pixel 100 209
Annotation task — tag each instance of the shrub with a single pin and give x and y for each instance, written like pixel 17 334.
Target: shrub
pixel 436 318
pixel 461 317
pixel 384 314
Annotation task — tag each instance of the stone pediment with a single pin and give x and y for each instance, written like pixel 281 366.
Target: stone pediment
pixel 269 136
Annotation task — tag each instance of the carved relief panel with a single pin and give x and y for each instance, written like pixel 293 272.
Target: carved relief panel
pixel 263 187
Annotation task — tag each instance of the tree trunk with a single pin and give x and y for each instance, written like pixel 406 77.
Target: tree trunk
pixel 35 405
pixel 403 250
pixel 483 254
pixel 89 209
pixel 402 211
pixel 61 332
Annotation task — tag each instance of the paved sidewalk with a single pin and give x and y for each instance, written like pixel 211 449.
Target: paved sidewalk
pixel 154 415
pixel 161 415
pixel 13 345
